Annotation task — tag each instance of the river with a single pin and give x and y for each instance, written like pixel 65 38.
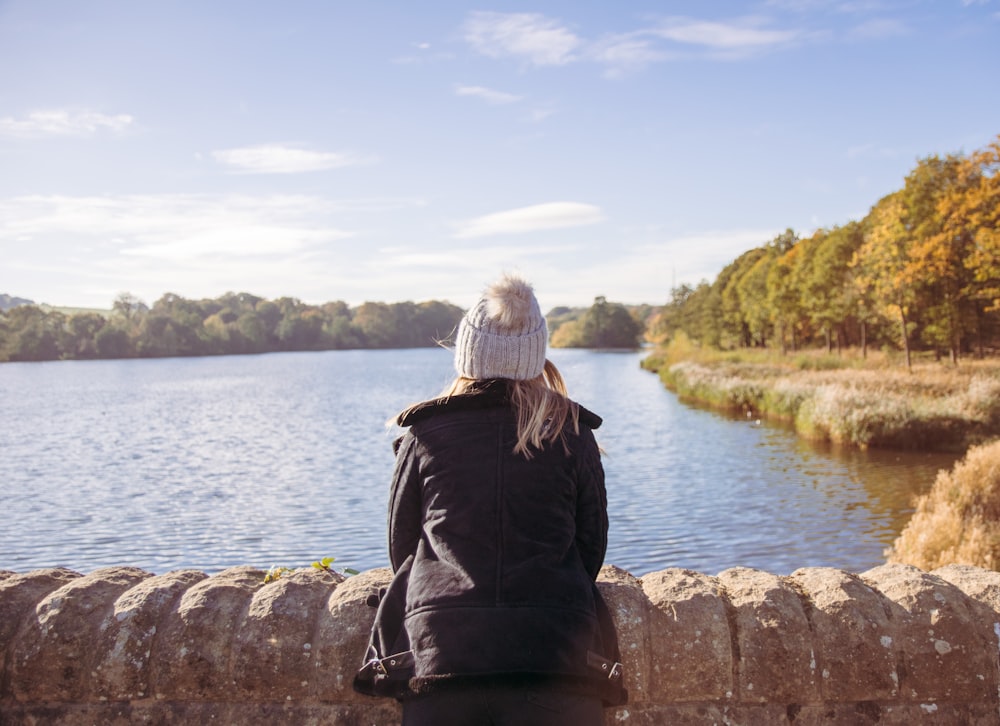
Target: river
pixel 284 458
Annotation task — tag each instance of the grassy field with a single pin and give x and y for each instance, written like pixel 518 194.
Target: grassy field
pixel 845 399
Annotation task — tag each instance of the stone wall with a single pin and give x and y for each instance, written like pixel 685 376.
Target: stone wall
pixel 894 645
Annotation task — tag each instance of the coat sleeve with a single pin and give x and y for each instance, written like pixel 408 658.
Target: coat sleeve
pixel 591 505
pixel 404 503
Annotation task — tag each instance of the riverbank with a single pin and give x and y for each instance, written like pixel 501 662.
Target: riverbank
pixel 846 400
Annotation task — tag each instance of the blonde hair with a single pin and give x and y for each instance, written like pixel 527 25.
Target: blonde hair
pixel 542 406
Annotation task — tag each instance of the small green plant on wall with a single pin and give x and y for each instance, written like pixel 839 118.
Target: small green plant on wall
pixel 325 564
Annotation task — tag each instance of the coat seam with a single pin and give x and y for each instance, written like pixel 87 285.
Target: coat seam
pixel 498 592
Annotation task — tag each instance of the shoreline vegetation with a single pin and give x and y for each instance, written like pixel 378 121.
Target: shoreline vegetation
pixel 958 520
pixel 845 399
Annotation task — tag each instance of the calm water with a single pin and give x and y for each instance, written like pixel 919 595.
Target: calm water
pixel 285 458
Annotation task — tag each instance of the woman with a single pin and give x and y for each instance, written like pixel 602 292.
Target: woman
pixel 497 530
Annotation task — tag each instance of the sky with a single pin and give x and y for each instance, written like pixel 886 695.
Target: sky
pixel 393 151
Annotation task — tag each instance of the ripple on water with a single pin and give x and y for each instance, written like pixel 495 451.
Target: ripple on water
pixel 285 458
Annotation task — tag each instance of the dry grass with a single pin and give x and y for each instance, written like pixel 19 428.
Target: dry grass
pixel 847 400
pixel 958 521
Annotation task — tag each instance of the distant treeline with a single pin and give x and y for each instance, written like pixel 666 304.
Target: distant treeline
pixel 921 270
pixel 603 325
pixel 232 324
pixel 239 323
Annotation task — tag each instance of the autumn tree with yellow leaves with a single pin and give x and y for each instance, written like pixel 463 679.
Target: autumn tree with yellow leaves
pixel 920 271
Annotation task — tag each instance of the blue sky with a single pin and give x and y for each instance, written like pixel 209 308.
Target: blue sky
pixel 410 151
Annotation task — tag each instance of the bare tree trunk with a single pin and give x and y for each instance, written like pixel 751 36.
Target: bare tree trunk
pixel 906 339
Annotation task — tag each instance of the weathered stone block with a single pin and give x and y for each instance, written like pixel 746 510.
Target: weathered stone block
pixel 125 639
pixel 273 650
pixel 690 638
pixel 342 637
pixel 774 643
pixel 19 594
pixel 194 647
pixel 54 654
pixel 631 611
pixel 852 636
pixel 943 654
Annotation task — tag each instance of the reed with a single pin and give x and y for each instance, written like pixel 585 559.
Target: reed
pixel 958 520
pixel 846 400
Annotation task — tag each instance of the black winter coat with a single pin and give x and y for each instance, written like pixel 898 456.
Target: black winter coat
pixel 498 553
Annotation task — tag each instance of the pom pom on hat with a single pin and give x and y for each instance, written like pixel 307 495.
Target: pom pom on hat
pixel 503 335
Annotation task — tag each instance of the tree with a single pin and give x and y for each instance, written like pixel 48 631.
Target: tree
pixel 882 262
pixel 82 330
pixel 377 324
pixel 675 316
pixel 969 212
pixel 269 315
pixel 33 334
pixel 783 298
pixel 827 296
pixel 112 341
pixel 978 211
pixel 338 330
pixel 128 307
pixel 753 292
pixel 938 250
pixel 436 322
pixel 603 325
pixel 734 317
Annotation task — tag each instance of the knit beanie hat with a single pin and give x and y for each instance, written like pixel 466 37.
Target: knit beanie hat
pixel 503 335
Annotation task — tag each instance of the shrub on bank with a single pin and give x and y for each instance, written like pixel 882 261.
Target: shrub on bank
pixel 958 521
pixel 935 406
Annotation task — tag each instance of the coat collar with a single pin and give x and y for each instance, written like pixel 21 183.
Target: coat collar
pixel 484 395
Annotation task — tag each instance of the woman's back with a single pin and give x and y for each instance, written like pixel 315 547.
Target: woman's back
pixel 498 527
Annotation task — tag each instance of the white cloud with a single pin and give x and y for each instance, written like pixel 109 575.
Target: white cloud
pixel 573 274
pixel 496 98
pixel 529 36
pixel 88 248
pixel 551 215
pixel 542 41
pixel 175 226
pixel 84 250
pixel 63 122
pixel 734 36
pixel 848 7
pixel 624 53
pixel 280 159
